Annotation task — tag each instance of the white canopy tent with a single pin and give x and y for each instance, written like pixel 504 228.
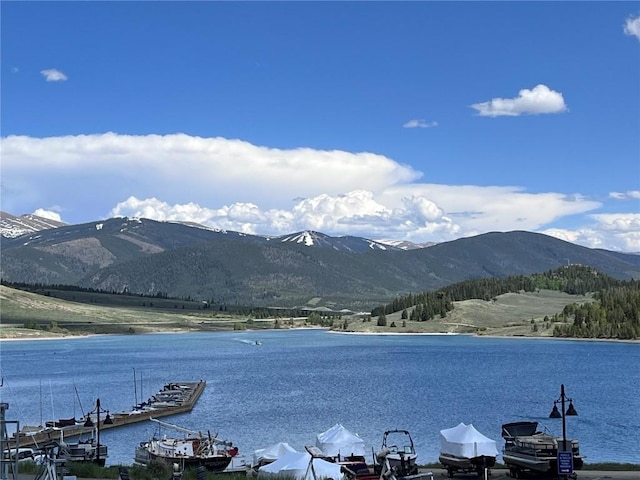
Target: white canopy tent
pixel 340 441
pixel 272 453
pixel 296 465
pixel 467 442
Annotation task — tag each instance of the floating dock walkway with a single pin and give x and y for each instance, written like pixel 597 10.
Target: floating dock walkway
pixel 174 398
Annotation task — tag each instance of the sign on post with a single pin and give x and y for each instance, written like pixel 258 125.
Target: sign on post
pixel 565 463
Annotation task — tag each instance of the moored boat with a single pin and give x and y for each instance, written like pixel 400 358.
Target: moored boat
pixel 194 449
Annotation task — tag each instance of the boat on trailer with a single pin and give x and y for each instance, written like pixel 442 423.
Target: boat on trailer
pixel 81 449
pixel 397 454
pixel 529 450
pixel 87 450
pixel 193 449
pixel 465 450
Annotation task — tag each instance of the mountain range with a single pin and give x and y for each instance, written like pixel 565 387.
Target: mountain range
pixel 149 257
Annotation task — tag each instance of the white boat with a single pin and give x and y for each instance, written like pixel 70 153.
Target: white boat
pixel 338 442
pixel 399 453
pixel 463 449
pixel 300 466
pixel 265 456
pixel 194 449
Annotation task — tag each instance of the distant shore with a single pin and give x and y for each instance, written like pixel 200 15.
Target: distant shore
pixel 21 336
pixel 446 334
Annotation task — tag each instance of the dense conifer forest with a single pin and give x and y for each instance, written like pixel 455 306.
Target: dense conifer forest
pixel 615 313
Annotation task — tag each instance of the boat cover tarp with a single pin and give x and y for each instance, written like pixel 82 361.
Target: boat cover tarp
pixel 465 441
pixel 340 441
pixel 296 464
pixel 272 453
pixel 519 429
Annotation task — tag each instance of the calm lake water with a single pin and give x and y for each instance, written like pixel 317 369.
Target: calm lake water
pixel 299 383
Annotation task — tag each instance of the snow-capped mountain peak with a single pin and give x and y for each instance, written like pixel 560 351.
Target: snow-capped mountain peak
pixel 12 226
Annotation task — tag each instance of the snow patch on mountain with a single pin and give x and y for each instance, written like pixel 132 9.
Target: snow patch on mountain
pixel 406 244
pixel 305 237
pixel 12 226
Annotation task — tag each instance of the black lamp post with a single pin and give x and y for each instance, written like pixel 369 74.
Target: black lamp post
pixel 571 411
pixel 89 423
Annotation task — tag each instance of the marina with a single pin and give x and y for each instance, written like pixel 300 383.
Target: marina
pixel 172 399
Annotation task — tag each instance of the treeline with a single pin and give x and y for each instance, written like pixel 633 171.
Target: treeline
pixel 189 303
pixel 259 313
pixel 615 314
pixel 42 287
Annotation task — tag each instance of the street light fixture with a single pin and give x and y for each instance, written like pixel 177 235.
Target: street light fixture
pixel 89 423
pixel 570 411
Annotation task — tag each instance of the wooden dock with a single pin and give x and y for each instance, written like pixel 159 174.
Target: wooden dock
pixel 191 393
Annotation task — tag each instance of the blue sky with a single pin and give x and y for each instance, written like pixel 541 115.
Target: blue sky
pixel 424 121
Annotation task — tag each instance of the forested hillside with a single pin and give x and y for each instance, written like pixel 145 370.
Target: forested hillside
pixel 614 314
pixel 309 269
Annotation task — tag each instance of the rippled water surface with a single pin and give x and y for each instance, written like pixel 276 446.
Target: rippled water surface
pixel 299 383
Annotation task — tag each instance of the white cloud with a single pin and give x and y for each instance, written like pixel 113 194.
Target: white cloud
pixel 618 222
pixel 200 168
pixel 478 209
pixel 540 99
pixel 354 213
pixel 420 123
pixel 234 185
pixel 631 194
pixel 415 212
pixel 51 215
pixel 632 27
pixel 53 75
pixel 612 231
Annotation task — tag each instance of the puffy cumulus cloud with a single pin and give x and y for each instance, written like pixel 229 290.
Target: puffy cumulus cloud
pixel 51 215
pixel 420 124
pixel 240 217
pixel 540 99
pixel 418 213
pixel 53 75
pixel 618 222
pixel 632 27
pixel 628 195
pixel 611 231
pixel 234 185
pixel 329 212
pixel 198 169
pixel 158 210
pixel 425 210
pixel 354 213
pixel 477 209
